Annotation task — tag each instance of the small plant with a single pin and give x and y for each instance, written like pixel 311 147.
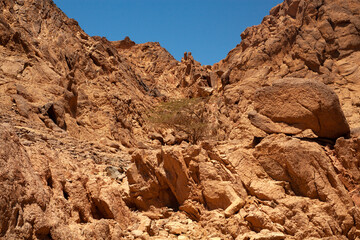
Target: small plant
pixel 187 115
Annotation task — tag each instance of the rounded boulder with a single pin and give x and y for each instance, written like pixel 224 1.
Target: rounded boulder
pixel 293 105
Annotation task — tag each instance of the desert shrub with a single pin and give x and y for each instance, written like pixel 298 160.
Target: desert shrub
pixel 186 115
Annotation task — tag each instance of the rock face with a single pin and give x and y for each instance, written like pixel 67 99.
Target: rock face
pixel 40 200
pixel 293 105
pixel 299 39
pixel 80 160
pixel 176 176
pixel 24 194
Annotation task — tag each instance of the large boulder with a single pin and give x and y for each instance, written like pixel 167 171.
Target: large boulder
pixel 292 105
pixel 309 171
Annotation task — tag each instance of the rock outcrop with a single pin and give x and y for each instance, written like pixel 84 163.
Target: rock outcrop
pixel 80 160
pixel 24 195
pixel 172 177
pixel 43 199
pixel 299 39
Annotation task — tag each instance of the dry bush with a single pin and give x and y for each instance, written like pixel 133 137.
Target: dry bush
pixel 186 115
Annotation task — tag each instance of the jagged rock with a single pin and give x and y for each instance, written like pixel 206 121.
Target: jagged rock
pixel 107 200
pixel 172 173
pixel 293 105
pixel 163 181
pixel 114 173
pixel 145 184
pixel 204 91
pixel 240 183
pixel 25 197
pixel 124 44
pixel 347 152
pixel 302 39
pixel 44 204
pixel 220 194
pixel 308 170
pixel 346 160
pixel 259 220
pixel 193 209
pixel 23 106
pixel 25 93
pixel 56 112
pixel 175 173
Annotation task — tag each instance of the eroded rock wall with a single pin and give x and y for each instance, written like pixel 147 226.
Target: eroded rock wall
pixel 80 161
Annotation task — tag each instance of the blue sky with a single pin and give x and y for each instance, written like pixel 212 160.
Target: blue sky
pixel 207 28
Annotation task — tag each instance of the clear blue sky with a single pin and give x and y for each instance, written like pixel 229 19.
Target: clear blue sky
pixel 207 28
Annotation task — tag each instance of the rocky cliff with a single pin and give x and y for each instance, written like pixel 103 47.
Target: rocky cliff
pixel 80 159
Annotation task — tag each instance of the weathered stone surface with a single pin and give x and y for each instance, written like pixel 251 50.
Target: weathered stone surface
pixel 174 170
pixel 174 173
pixel 24 195
pixel 266 189
pixel 308 170
pixel 147 186
pixel 294 105
pixel 346 161
pixel 262 235
pixel 302 40
pixel 40 203
pixel 80 161
pixel 219 194
pixel 124 44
